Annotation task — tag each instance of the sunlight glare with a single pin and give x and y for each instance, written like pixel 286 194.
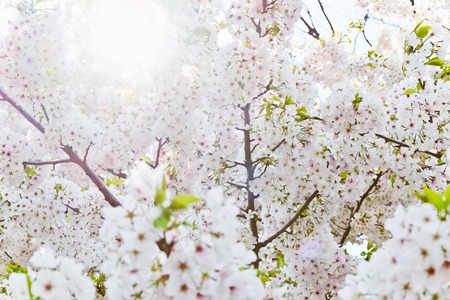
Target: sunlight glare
pixel 128 32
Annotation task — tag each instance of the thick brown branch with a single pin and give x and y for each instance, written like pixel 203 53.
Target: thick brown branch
pixel 288 224
pixel 73 156
pixel 250 170
pixel 358 206
pixel 27 116
pixel 109 197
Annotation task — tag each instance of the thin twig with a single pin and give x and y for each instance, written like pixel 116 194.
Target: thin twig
pixel 401 144
pixel 278 145
pixel 326 16
pixel 119 174
pixel 44 163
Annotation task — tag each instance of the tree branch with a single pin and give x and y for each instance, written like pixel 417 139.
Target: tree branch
pixel 119 174
pixel 43 163
pixel 250 170
pixel 401 144
pixel 312 31
pixel 73 156
pixel 27 116
pixel 288 224
pixel 326 16
pixel 278 145
pixel 109 197
pixel 358 207
pixel 161 143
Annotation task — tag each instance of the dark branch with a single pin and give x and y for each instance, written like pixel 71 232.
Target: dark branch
pixel 401 144
pixel 119 174
pixel 73 156
pixel 44 163
pixel 390 140
pixel 288 224
pixel 358 206
pixel 326 16
pixel 27 116
pixel 109 197
pixel 161 143
pixel 278 145
pixel 366 17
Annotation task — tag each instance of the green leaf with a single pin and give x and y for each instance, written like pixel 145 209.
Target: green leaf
pixel 163 220
pixel 114 181
pixel 183 201
pixel 357 101
pixel 275 30
pixel 409 91
pixel 160 195
pixel 31 171
pixel 435 62
pixel 289 101
pixel 432 197
pixel 422 32
pixel 302 114
pixel 418 25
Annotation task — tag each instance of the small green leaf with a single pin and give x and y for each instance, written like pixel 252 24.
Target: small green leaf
pixel 409 91
pixel 289 101
pixel 302 114
pixel 435 62
pixel 31 171
pixel 422 32
pixel 163 220
pixel 160 195
pixel 418 25
pixel 357 101
pixel 183 201
pixel 370 65
pixel 114 181
pixel 275 30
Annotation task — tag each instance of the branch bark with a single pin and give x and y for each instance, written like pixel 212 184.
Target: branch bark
pixel 73 156
pixel 250 170
pixel 326 16
pixel 27 116
pixel 288 224
pixel 404 145
pixel 358 207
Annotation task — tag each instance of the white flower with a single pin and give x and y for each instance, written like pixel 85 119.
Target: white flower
pixel 18 286
pixel 50 285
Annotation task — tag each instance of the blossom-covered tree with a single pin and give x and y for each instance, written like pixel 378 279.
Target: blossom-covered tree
pixel 227 150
